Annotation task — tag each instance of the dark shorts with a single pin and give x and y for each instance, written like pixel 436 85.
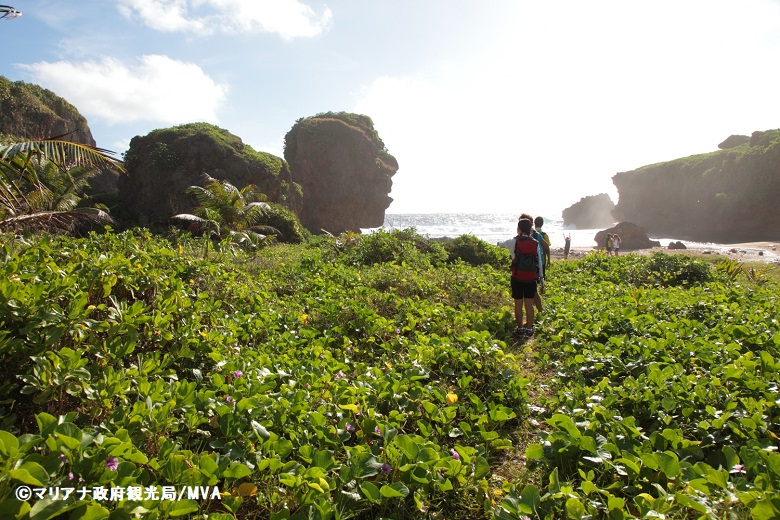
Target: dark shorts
pixel 522 289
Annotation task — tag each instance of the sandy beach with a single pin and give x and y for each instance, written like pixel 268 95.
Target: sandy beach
pixel 760 252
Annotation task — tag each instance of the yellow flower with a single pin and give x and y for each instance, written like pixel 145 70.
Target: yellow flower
pixel 452 398
pixel 304 319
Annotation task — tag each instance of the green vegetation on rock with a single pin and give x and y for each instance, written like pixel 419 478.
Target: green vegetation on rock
pixel 32 112
pixel 728 196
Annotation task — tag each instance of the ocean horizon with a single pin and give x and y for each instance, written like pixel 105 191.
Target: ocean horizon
pixel 494 228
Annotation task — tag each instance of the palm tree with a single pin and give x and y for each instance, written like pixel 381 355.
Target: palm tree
pixel 223 207
pixel 40 182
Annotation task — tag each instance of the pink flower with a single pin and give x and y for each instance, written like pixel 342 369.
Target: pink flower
pixel 112 463
pixel 237 374
pixel 738 468
pixel 386 468
pixel 455 455
pixel 229 399
pixel 70 476
pixel 349 427
pixel 377 430
pixel 339 374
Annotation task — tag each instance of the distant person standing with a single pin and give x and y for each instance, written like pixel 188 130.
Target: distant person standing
pixel 609 244
pixel 616 243
pixel 567 245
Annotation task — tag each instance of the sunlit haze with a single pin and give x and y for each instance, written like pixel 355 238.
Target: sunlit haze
pixel 500 106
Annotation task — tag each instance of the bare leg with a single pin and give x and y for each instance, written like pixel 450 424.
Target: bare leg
pixel 519 312
pixel 537 302
pixel 529 310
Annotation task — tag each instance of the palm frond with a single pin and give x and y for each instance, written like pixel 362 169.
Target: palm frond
pixel 74 222
pixel 63 153
pixel 266 230
pixel 186 217
pixel 196 224
pixel 203 195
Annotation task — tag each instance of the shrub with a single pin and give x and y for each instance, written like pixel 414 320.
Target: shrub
pixel 476 252
pixel 286 222
pixel 400 246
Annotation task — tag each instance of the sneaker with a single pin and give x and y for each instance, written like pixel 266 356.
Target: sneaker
pixel 529 332
pixel 519 331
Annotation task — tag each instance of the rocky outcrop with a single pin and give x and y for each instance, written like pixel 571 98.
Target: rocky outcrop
pixel 344 169
pixel 590 212
pixel 164 163
pixel 733 141
pixel 32 112
pixel 725 196
pixel 631 237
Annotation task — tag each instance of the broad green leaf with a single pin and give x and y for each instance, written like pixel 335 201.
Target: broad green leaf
pixel 47 508
pixel 90 512
pixel 575 508
pixel 30 473
pixel 9 444
pixel 408 445
pixel 669 464
pixel 182 507
pixel 11 507
pixel 394 490
pixel 69 434
pixel 535 452
pixel 236 471
pixel 324 459
pixel 46 423
pixel 370 491
pixel 530 498
pixel 481 468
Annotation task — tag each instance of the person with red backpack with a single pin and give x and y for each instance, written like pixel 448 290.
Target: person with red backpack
pixel 525 273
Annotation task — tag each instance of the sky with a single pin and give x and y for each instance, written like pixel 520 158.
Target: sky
pixel 488 106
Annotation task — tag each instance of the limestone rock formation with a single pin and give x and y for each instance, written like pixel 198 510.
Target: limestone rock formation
pixel 164 163
pixel 344 169
pixel 631 237
pixel 725 196
pixel 733 141
pixel 32 112
pixel 590 212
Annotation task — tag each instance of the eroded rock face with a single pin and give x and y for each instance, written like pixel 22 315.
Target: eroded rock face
pixel 631 237
pixel 728 196
pixel 590 212
pixel 733 141
pixel 164 163
pixel 32 112
pixel 344 170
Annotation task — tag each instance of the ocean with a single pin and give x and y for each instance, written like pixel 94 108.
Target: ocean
pixel 493 228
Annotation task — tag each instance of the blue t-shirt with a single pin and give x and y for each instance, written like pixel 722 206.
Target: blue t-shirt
pixel 539 238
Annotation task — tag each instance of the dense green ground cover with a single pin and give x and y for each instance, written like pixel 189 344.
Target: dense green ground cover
pixel 373 377
pixel 666 393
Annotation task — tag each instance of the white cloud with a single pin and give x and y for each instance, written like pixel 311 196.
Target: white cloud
pixel 287 18
pixel 158 89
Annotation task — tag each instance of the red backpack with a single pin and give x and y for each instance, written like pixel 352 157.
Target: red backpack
pixel 525 264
